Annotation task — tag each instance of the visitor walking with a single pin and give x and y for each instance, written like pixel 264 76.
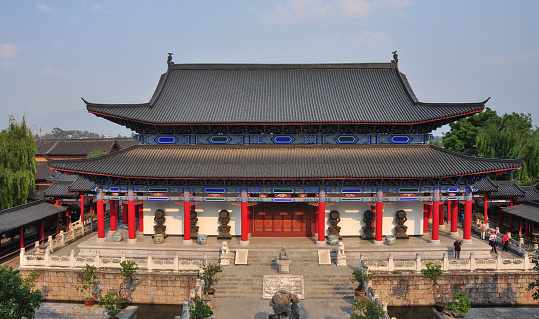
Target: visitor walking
pixel 484 228
pixel 505 241
pixel 456 248
pixel 492 242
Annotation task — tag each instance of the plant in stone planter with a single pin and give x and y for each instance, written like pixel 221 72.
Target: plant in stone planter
pixel 90 280
pixel 199 309
pixel 433 272
pixel 360 276
pixel 112 303
pixel 209 274
pixel 366 309
pixel 129 268
pixel 462 304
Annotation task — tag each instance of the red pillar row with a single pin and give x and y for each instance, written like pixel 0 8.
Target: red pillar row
pixel 485 206
pixel 435 221
pixel 244 219
pixel 132 223
pixel 379 215
pixel 82 208
pixel 425 218
pixel 322 216
pixel 187 217
pixel 441 220
pixel 21 237
pixel 467 223
pixel 141 218
pixel 124 213
pixel 113 214
pixel 100 218
pixel 455 216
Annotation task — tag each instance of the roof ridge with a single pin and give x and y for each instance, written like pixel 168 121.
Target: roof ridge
pixel 18 207
pixel 243 66
pixel 476 158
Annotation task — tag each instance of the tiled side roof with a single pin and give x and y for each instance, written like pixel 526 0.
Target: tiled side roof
pixel 81 184
pixel 26 214
pixel 289 162
pixel 486 185
pixel 528 211
pixel 80 147
pixel 283 93
pixel 532 194
pixel 508 189
pixel 42 146
pixel 43 171
pixel 126 142
pixel 60 185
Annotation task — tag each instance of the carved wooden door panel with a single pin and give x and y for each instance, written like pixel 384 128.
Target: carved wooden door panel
pixel 282 220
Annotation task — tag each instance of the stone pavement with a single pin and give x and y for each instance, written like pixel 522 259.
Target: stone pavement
pixel 52 310
pixel 259 309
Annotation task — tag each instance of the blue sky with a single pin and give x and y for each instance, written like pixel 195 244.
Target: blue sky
pixel 52 53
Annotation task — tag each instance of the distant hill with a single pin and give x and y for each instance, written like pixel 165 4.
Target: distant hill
pixel 437 140
pixel 58 133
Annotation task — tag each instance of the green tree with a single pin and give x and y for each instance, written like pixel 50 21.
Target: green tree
pixel 96 153
pixel 463 134
pixel 17 164
pixel 18 297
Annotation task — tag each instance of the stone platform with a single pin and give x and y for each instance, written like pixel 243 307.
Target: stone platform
pixel 53 310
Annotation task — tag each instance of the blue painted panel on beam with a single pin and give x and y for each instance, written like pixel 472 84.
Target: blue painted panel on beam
pixel 400 139
pixel 408 199
pixel 453 190
pixel 283 139
pixel 214 190
pixel 158 198
pixel 114 189
pixel 351 190
pixel 283 199
pixel 166 139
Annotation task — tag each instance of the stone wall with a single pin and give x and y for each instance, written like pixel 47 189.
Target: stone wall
pixel 493 288
pixel 150 287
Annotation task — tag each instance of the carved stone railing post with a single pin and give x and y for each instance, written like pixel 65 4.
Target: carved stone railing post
pixel 520 245
pixel 97 260
pixel 36 245
pixel 123 257
pixel 472 261
pixel 72 259
pixel 390 263
pixel 150 263
pixel 22 257
pixel 51 243
pixel 418 264
pixel 176 263
pixel 445 262
pixel 47 258
pixel 499 261
pixel 62 237
pixel 526 263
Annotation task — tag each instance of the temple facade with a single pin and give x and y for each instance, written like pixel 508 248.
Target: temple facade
pixel 286 150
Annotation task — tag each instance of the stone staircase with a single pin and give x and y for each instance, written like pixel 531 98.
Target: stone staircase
pixel 320 282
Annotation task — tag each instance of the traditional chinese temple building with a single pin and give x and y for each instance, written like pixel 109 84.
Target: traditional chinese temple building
pixel 279 147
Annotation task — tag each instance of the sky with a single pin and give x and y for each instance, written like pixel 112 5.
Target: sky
pixel 53 53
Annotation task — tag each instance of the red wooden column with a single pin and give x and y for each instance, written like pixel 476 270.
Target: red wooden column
pixel 500 219
pixel 131 220
pixel 21 237
pixel 379 216
pixel 187 218
pixel 82 208
pixel 435 217
pixel 124 213
pixel 527 229
pixel 42 229
pixel 467 223
pixel 455 216
pixel 321 218
pixel 441 220
pixel 448 211
pixel 113 214
pixel 511 202
pixel 520 226
pixel 485 206
pixel 244 219
pixel 425 218
pixel 141 218
pixel 100 217
pixel 57 202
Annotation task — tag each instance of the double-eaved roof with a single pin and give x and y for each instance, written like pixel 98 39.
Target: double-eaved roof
pixel 269 94
pixel 251 162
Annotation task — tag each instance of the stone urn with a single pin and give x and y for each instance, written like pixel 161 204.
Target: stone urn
pixel 390 240
pixel 202 239
pixel 117 236
pixel 333 240
pixel 159 238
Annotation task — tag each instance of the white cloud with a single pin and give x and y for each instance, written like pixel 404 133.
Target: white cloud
pixel 44 8
pixel 370 39
pixel 8 50
pixel 303 9
pixel 515 58
pixel 99 8
pixel 355 8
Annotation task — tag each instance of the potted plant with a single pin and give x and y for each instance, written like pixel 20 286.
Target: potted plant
pixel 89 283
pixel 360 276
pixel 462 304
pixel 433 272
pixel 129 268
pixel 112 303
pixel 199 309
pixel 209 274
pixel 366 309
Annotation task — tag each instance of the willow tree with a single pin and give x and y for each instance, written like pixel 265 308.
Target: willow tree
pixel 17 164
pixel 512 136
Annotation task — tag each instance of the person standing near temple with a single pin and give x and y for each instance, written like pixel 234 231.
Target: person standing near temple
pixel 492 242
pixel 456 248
pixel 484 228
pixel 505 241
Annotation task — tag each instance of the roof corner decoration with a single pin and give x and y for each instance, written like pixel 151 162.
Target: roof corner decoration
pixel 395 57
pixel 169 59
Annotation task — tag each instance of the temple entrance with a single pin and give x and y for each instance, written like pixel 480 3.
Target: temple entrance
pixel 282 220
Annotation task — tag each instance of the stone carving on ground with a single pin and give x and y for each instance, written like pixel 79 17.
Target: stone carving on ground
pixel 368 229
pixel 284 261
pixel 194 220
pixel 160 228
pixel 341 257
pixel 292 283
pixel 400 229
pixel 224 229
pixel 285 305
pixel 225 254
pixel 334 219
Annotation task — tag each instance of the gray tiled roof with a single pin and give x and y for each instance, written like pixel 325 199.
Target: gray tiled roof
pixel 68 185
pixel 43 171
pixel 81 184
pixel 25 214
pixel 528 211
pixel 284 93
pixel 532 194
pixel 292 162
pixel 80 147
pixel 508 189
pixel 486 185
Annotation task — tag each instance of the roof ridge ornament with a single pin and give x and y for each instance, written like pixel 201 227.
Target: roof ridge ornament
pixel 395 57
pixel 169 59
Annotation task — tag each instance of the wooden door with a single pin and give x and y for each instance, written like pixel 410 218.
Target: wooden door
pixel 282 220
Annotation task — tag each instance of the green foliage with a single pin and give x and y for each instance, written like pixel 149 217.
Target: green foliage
pixel 463 134
pixel 129 268
pixel 96 153
pixel 199 309
pixel 366 309
pixel 362 275
pixel 209 274
pixel 18 297
pixel 89 281
pixel 17 164
pixel 461 305
pixel 479 216
pixel 112 303
pixel 432 272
